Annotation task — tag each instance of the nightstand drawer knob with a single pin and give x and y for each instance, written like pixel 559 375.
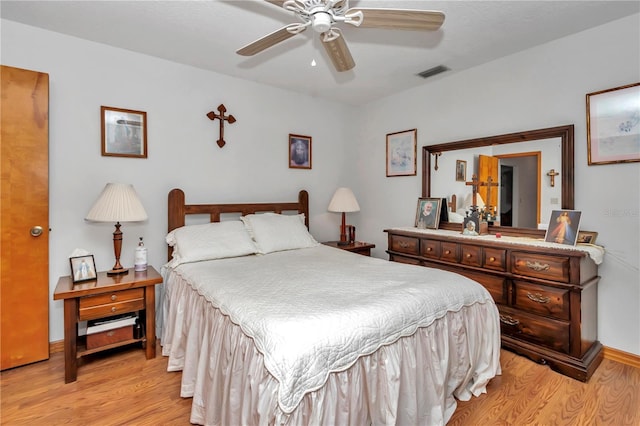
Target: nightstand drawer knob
pixel 468 256
pixel 113 309
pixel 429 249
pixel 114 297
pixel 447 252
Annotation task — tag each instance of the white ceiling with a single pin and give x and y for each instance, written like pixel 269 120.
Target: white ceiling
pixel 206 34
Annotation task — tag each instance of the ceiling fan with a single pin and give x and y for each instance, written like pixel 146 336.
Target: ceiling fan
pixel 324 15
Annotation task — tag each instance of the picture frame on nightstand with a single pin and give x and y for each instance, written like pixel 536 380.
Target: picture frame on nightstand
pixel 83 268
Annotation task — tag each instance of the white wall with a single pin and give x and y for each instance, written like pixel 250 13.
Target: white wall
pixel 541 87
pixel 182 149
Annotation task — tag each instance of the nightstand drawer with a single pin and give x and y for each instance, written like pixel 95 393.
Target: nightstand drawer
pixel 119 302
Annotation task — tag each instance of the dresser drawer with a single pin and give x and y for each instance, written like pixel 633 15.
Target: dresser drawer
pixel 494 259
pixel 495 285
pixel 551 333
pixel 448 252
pixel 470 255
pixel 430 248
pixel 541 299
pixel 106 304
pixel 403 244
pixel 554 268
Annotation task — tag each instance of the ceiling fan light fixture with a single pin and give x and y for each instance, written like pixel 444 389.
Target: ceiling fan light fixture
pixel 322 22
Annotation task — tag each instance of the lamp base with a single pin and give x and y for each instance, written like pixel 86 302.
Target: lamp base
pixel 343 243
pixel 113 272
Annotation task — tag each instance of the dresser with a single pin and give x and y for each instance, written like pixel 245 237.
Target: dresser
pixel 547 296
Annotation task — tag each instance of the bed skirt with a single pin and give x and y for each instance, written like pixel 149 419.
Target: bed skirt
pixel 414 381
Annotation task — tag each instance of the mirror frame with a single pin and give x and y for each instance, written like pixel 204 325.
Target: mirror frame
pixel 565 133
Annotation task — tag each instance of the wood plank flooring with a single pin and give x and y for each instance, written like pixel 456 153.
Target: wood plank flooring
pixel 126 389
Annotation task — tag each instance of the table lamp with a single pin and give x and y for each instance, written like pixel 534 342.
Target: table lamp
pixel 117 203
pixel 343 201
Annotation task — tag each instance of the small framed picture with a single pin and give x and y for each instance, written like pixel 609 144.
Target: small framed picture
pixel 461 170
pixel 586 237
pixel 299 152
pixel 563 227
pixel 613 125
pixel 124 132
pixel 428 213
pixel 401 153
pixel 83 268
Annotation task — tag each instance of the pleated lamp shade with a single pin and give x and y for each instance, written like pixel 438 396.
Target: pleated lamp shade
pixel 118 202
pixel 343 201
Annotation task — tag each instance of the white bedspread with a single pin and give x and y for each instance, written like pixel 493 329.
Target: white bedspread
pixel 320 308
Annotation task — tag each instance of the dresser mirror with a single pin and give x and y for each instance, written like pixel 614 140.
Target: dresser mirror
pixel 533 169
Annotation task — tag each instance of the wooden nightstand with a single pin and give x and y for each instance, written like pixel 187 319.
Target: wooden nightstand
pixel 357 247
pixel 104 297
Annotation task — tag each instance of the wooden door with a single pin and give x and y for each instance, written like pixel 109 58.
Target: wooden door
pixel 488 167
pixel 24 205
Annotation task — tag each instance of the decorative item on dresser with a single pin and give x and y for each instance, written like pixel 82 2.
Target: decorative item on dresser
pixel 546 293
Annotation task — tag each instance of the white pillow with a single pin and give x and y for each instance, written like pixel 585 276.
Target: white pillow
pixel 455 217
pixel 216 240
pixel 278 232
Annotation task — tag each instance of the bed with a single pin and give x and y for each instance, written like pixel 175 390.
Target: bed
pixel 267 326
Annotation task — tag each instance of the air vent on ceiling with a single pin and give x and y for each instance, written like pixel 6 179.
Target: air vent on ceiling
pixel 433 71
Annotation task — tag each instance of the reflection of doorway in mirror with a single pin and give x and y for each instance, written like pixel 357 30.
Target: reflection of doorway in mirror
pixel 521 193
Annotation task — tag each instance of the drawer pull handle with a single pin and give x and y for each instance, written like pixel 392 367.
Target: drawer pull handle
pixel 468 256
pixel 403 244
pixel 429 249
pixel 492 259
pixel 447 252
pixel 113 309
pixel 538 298
pixel 509 320
pixel 537 266
pixel 114 297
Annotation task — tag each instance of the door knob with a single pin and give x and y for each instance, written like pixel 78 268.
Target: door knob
pixel 36 231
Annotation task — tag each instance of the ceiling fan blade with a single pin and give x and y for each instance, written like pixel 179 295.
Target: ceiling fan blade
pixel 276 2
pixel 338 52
pixel 400 19
pixel 265 42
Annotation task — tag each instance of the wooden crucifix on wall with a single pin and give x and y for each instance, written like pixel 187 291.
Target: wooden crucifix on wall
pixel 230 118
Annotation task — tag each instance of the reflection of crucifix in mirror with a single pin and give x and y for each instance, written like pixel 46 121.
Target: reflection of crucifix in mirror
pixel 230 118
pixel 474 187
pixel 552 174
pixel 489 183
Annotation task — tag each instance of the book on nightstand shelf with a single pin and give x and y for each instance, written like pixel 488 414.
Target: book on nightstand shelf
pixel 109 323
pixel 115 329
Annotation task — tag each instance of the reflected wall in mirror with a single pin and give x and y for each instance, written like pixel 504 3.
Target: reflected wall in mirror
pixel 520 163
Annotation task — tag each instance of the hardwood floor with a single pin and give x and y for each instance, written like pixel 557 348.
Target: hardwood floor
pixel 126 389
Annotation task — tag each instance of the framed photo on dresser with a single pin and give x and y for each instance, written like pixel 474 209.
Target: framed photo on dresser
pixel 563 227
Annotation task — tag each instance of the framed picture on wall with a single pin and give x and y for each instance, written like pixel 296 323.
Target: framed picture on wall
pixel 461 170
pixel 613 125
pixel 299 152
pixel 401 153
pixel 124 132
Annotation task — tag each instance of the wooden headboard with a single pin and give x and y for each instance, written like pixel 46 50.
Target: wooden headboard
pixel 178 209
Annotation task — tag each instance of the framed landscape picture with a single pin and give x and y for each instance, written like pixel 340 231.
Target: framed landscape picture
pixel 124 132
pixel 401 153
pixel 613 125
